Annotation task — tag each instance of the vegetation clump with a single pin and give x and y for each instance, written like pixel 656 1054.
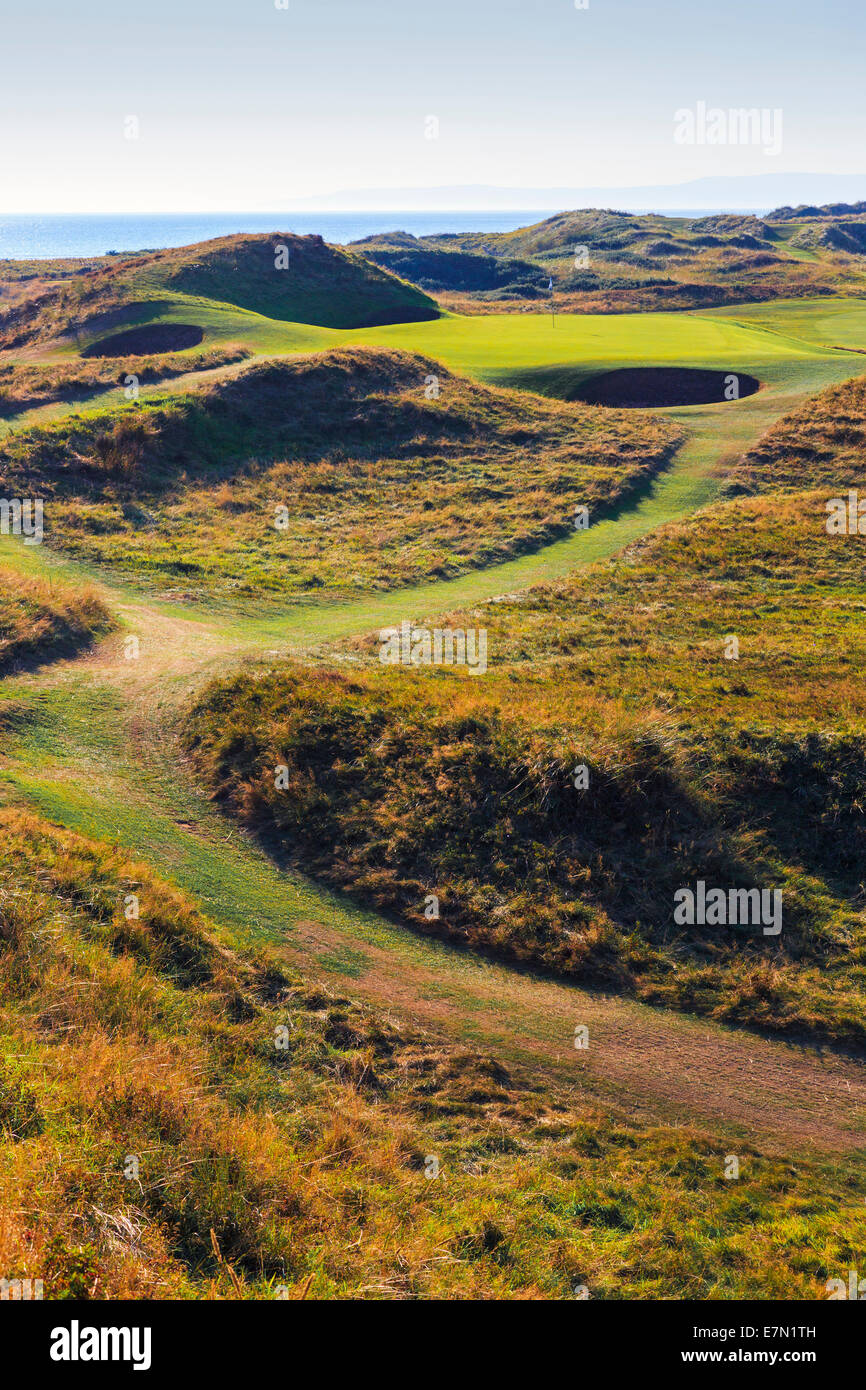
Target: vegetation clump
pixel 348 471
pixel 820 445
pixel 40 621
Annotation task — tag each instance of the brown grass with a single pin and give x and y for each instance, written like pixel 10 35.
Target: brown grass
pixel 303 1169
pixel 40 620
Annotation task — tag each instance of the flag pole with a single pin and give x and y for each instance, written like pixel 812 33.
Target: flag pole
pixel 552 305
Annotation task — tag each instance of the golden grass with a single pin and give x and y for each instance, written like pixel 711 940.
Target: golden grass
pixel 823 444
pixel 301 1172
pixel 25 386
pixel 336 473
pixel 40 620
pixel 742 772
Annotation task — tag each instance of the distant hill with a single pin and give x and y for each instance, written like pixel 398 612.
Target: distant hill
pixel 749 191
pixel 436 269
pixel 807 210
pixel 605 260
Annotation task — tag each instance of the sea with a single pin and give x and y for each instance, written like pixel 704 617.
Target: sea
pixel 28 237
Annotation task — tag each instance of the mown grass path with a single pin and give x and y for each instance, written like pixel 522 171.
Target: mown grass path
pixel 94 747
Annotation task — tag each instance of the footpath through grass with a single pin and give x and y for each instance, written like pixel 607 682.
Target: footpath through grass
pixel 93 747
pixel 83 752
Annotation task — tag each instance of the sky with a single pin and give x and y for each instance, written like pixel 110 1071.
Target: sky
pixel 245 105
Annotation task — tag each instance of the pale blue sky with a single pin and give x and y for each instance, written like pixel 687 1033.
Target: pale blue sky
pixel 245 106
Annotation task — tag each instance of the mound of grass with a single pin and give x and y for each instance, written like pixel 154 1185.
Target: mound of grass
pixel 435 269
pixel 603 261
pixel 823 444
pixel 183 1120
pixel 742 773
pixel 285 277
pixel 41 621
pixel 318 284
pixel 340 472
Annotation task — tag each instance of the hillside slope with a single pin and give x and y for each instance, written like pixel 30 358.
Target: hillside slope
pixel 604 261
pixel 285 277
pixel 741 773
pixel 343 471
pixel 318 284
pixel 40 621
pixel 183 1120
pixel 823 444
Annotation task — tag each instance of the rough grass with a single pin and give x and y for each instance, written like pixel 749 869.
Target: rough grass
pixel 337 473
pixel 314 283
pixel 823 444
pixel 301 1171
pixel 25 386
pixel 606 262
pixel 744 773
pixel 321 284
pixel 40 621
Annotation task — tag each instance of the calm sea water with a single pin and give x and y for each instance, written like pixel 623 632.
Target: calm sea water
pixel 24 237
pixel 44 237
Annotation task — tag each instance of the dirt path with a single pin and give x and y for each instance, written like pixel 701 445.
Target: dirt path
pixel 651 1063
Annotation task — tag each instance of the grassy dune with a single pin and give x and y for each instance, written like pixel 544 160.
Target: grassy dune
pixel 318 284
pixel 158 1143
pixel 338 473
pixel 23 387
pixel 741 772
pixel 40 621
pixel 603 261
pixel 296 279
pixel 146 291
pixel 823 444
pixel 153 1036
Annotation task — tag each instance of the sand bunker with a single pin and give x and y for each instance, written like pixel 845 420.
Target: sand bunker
pixel 645 387
pixel 149 338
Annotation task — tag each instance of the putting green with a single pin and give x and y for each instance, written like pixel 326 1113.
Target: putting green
pixel 822 323
pixel 494 346
pixel 500 348
pixel 790 346
pixel 519 350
